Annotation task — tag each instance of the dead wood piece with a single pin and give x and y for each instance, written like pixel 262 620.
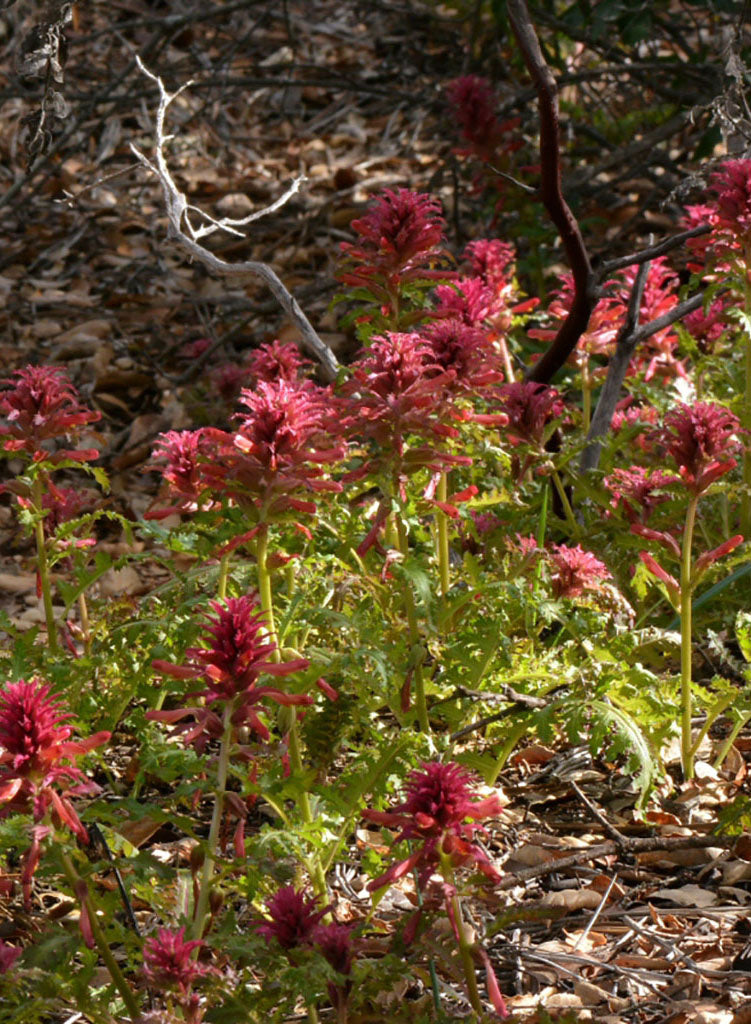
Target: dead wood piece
pixel 182 229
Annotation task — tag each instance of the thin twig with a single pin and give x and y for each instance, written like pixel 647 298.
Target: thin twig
pixel 648 844
pixel 653 251
pixel 552 197
pixel 611 830
pixel 625 344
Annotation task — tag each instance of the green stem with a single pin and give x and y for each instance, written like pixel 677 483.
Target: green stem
pixel 414 634
pixel 566 504
pixel 746 497
pixel 687 755
pixel 221 589
pixel 222 771
pixel 118 978
pixel 465 944
pixel 43 567
pixel 267 607
pixel 83 611
pixel 730 740
pixel 442 547
pixel 317 876
pixel 712 715
pixel 518 729
pixel 431 962
pixel 264 587
pixel 586 395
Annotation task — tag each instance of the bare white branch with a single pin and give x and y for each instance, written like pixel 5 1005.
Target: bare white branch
pixel 184 231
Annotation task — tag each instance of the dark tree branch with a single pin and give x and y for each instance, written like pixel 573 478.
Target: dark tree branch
pixel 551 194
pixel 653 251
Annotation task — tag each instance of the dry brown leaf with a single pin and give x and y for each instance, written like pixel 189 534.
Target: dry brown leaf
pixel 572 899
pixel 591 994
pixel 687 896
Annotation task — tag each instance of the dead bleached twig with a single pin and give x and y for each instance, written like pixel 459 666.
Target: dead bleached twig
pixel 183 229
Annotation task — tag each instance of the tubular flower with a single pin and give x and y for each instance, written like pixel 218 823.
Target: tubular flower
pixel 396 390
pixel 439 799
pixel 237 654
pixel 473 105
pixel 278 448
pixel 732 205
pixel 604 322
pixel 638 491
pixel 277 361
pixel 293 918
pixel 529 407
pixel 492 260
pixel 169 961
pixel 466 351
pixel 468 299
pixel 228 379
pixel 38 405
pixel 184 451
pixel 38 773
pixel 575 571
pixel 700 438
pixel 400 239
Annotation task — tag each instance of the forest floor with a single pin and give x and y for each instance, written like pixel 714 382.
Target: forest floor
pixel 350 95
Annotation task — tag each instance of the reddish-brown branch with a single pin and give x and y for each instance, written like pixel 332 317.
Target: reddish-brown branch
pixel 585 284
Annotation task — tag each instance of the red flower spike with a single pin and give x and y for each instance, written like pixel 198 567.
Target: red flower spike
pixel 439 800
pixel 185 452
pixel 38 772
pixel 529 407
pixel 469 300
pixel 700 438
pixel 41 404
pixel 239 652
pixel 492 260
pixel 228 379
pixel 576 571
pixel 335 942
pixel 658 354
pixel 277 361
pixel 169 961
pixel 473 105
pixel 400 238
pixel 638 491
pixel 280 447
pixel 294 917
pixel 604 322
pixel 466 351
pixel 707 328
pixel 731 210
